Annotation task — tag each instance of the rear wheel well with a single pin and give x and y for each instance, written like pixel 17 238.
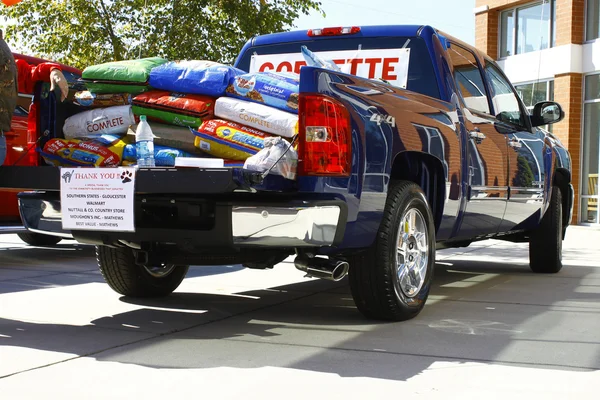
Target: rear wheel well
pixel 426 171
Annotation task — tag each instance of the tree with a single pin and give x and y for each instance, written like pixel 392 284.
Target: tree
pixel 525 176
pixel 87 32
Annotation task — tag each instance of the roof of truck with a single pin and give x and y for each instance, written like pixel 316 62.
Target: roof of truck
pixel 365 31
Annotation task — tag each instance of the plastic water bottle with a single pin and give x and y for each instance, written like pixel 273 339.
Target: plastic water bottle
pixel 144 144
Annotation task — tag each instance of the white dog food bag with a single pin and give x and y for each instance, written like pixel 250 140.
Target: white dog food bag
pixel 101 121
pixel 264 118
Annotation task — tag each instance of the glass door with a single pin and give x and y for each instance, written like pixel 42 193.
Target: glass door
pixel 590 150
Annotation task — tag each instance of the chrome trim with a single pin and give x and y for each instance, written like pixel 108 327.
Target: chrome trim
pixel 51 233
pixel 284 226
pixel 42 216
pixel 12 229
pixel 572 203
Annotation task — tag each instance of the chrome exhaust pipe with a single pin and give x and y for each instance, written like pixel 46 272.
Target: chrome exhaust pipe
pixel 323 268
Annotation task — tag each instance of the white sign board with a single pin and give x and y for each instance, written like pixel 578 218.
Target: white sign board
pixel 388 64
pixel 97 199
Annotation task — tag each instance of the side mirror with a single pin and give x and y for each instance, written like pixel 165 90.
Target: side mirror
pixel 546 112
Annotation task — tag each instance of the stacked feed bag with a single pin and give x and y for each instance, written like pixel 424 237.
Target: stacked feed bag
pixel 163 156
pixel 100 151
pixel 174 137
pixel 194 76
pixel 258 116
pixel 174 108
pixel 279 90
pixel 111 120
pixel 229 140
pixel 86 98
pixel 130 76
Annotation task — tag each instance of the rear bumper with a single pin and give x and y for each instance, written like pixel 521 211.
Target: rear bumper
pixel 285 226
pixel 200 223
pixel 12 229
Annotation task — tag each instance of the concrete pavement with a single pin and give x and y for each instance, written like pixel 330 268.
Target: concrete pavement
pixel 490 329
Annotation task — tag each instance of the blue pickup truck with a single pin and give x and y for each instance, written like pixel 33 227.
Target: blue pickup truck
pixel 420 143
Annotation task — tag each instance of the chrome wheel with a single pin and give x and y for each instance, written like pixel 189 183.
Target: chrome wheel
pixel 160 271
pixel 412 254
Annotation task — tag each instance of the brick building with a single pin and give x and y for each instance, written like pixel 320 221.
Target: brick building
pixel 550 49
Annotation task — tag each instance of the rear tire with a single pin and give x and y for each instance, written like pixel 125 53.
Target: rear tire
pixel 391 280
pixel 125 277
pixel 545 243
pixel 37 239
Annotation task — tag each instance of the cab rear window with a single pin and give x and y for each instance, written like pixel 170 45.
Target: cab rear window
pixel 421 77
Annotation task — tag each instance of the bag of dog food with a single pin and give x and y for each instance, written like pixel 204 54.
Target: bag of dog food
pixel 130 76
pixel 278 90
pixel 228 140
pixel 102 151
pixel 175 137
pixel 163 156
pixel 265 118
pixel 111 121
pixel 234 164
pixel 193 76
pixel 174 108
pixel 86 98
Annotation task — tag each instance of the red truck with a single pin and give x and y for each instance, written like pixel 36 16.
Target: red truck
pixel 21 150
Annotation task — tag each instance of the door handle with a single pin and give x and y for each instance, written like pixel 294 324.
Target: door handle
pixel 515 144
pixel 476 135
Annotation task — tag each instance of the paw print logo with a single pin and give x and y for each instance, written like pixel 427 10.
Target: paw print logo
pixel 126 176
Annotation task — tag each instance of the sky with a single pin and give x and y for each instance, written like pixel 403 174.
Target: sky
pixel 455 17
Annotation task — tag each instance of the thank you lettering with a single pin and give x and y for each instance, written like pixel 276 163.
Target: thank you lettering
pixel 96 200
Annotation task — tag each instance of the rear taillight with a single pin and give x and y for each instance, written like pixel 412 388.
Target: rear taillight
pixel 334 31
pixel 324 137
pixel 32 135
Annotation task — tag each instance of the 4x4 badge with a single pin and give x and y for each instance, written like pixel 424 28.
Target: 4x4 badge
pixel 381 118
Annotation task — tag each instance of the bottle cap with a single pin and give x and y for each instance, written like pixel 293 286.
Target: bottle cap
pixel 142 117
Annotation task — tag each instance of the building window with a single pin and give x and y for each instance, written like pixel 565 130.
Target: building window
pixel 527 28
pixel 590 150
pixel 533 93
pixel 592 30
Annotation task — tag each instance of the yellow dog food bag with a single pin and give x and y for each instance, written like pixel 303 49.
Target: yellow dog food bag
pixel 228 140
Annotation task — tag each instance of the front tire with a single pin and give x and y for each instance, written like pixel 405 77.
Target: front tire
pixel 545 243
pixel 37 239
pixel 125 277
pixel 392 279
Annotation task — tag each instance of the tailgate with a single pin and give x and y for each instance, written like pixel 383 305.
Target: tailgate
pixel 157 180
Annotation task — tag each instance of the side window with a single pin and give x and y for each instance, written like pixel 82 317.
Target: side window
pixel 468 79
pixel 504 99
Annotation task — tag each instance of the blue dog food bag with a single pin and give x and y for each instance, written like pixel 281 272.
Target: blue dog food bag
pixel 193 76
pixel 279 90
pixel 163 156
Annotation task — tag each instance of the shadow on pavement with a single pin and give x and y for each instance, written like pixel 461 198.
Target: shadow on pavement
pixel 482 311
pixel 64 265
